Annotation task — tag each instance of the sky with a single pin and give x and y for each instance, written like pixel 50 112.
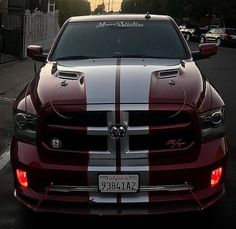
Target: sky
pixel 116 4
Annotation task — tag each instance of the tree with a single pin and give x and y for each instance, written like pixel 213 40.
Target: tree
pixel 100 9
pixel 69 8
pixel 227 10
pixel 141 6
pixel 195 10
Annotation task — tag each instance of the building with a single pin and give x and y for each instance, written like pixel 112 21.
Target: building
pixel 23 22
pixel 32 5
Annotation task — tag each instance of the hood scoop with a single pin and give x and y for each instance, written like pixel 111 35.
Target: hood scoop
pixel 168 74
pixel 69 75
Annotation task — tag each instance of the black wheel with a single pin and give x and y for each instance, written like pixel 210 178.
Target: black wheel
pixel 202 39
pixel 218 41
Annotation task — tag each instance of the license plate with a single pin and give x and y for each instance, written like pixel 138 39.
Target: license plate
pixel 118 183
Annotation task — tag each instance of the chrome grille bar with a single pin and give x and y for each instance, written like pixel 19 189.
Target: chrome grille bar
pixel 158 188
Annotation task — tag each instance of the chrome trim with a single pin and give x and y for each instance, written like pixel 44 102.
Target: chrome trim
pixel 171 73
pixel 138 130
pixel 159 188
pixel 65 188
pixel 99 152
pixel 137 152
pixel 70 75
pixel 168 188
pixel 99 131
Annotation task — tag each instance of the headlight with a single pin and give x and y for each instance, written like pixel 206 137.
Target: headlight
pixel 212 123
pixel 25 125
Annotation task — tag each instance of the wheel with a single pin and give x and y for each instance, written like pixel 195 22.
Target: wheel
pixel 202 39
pixel 187 37
pixel 218 41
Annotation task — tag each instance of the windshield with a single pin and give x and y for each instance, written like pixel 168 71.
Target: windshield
pixel 151 39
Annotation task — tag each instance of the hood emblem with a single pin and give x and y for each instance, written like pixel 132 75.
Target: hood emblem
pixel 118 131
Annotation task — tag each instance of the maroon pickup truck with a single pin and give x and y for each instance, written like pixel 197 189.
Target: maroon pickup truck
pixel 119 120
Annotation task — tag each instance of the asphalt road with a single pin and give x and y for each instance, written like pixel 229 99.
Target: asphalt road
pixel 221 70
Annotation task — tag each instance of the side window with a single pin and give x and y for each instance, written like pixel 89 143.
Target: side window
pixel 212 31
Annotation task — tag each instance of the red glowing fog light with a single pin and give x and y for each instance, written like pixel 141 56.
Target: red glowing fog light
pixel 215 176
pixel 22 177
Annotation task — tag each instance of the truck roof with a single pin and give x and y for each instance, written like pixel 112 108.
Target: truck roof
pixel 119 17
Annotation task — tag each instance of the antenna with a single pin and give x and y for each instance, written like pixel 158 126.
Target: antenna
pixel 109 6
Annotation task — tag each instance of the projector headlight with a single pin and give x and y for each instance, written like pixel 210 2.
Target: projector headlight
pixel 25 125
pixel 212 123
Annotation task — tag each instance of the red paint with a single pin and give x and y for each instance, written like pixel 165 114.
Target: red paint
pixel 33 50
pixel 208 49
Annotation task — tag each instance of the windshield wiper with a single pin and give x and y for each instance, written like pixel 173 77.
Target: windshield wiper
pixel 76 57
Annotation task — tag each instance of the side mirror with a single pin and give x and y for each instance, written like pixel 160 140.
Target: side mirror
pixel 205 51
pixel 35 52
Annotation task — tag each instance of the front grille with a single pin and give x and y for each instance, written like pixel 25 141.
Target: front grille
pixel 158 131
pixel 156 118
pixel 81 142
pixel 79 119
pixel 161 141
pixel 168 130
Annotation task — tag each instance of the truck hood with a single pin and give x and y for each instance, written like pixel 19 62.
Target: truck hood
pixel 125 80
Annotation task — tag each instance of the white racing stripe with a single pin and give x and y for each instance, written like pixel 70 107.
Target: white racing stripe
pixel 134 81
pixel 4 159
pixel 100 85
pixel 136 77
pixel 132 78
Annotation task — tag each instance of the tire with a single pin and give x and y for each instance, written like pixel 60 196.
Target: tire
pixel 218 41
pixel 202 39
pixel 187 37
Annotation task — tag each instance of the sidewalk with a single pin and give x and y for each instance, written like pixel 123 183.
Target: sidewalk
pixel 13 78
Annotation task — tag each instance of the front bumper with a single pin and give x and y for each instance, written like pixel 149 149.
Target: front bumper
pixel 57 205
pixel 197 196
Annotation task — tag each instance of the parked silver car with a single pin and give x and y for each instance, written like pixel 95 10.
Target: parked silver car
pixel 219 36
pixel 190 32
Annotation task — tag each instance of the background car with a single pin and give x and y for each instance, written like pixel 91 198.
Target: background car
pixel 219 36
pixel 206 28
pixel 190 32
